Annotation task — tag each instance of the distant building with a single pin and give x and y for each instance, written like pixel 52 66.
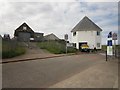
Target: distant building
pixel 51 37
pixel 25 34
pixel 86 32
pixel 6 37
pixel 38 36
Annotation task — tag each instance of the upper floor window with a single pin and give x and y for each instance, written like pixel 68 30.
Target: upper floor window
pixel 24 28
pixel 98 33
pixel 74 33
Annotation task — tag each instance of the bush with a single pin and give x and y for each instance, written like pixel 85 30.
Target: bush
pixel 55 47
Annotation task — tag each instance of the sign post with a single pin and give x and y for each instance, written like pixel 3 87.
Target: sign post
pixel 66 38
pixel 114 37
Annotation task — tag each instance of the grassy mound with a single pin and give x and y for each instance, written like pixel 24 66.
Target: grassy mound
pixel 55 47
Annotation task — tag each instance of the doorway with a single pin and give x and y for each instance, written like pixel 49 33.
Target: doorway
pixel 80 43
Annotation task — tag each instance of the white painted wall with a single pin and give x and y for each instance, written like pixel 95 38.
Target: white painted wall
pixel 87 36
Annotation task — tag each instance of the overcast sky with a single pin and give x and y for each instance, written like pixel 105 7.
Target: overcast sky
pixel 57 17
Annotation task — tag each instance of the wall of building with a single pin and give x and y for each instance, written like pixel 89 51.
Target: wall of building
pixel 38 36
pixel 87 36
pixel 98 40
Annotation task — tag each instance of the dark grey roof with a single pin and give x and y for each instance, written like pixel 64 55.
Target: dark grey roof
pixel 86 25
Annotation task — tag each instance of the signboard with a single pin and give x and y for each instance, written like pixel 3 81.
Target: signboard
pixel 109 44
pixel 66 37
pixel 69 45
pixel 114 36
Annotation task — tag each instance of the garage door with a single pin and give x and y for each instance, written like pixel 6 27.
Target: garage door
pixel 80 43
pixel 24 36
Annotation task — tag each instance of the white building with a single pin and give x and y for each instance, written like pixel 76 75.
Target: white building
pixel 86 32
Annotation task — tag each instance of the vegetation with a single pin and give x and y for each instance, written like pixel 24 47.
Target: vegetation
pixel 11 49
pixel 104 47
pixel 56 47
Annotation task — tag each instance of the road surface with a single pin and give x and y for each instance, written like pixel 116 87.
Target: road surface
pixel 47 72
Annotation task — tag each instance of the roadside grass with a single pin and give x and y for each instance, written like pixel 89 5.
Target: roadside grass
pixel 10 49
pixel 56 47
pixel 104 47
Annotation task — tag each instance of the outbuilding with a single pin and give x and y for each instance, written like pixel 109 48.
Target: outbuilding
pixel 51 37
pixel 24 33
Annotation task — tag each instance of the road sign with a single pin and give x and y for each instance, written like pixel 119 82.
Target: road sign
pixel 66 37
pixel 114 36
pixel 109 44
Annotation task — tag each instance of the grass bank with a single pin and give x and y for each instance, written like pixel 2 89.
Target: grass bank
pixel 56 47
pixel 11 49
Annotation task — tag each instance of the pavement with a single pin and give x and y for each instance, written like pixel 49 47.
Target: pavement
pixel 76 71
pixel 103 75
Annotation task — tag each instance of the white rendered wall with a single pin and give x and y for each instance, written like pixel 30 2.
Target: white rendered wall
pixel 87 36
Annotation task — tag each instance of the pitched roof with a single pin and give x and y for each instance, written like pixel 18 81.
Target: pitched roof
pixel 86 25
pixel 51 37
pixel 20 29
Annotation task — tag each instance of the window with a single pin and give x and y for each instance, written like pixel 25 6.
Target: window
pixel 74 45
pixel 98 33
pixel 74 33
pixel 98 44
pixel 24 28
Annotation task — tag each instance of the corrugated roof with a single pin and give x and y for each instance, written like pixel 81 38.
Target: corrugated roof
pixel 86 25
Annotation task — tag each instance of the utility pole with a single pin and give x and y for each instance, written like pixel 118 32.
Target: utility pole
pixel 114 36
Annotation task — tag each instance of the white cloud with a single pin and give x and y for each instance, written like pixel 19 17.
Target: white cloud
pixel 56 17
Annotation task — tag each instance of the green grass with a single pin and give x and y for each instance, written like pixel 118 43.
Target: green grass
pixel 10 50
pixel 55 47
pixel 104 47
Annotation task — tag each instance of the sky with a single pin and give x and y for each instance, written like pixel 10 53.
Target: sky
pixel 58 17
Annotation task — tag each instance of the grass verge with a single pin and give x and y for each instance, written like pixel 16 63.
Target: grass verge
pixel 56 47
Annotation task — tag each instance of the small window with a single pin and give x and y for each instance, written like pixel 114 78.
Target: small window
pixel 74 45
pixel 98 44
pixel 74 33
pixel 24 28
pixel 98 33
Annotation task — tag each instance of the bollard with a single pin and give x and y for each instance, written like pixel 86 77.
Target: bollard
pixel 106 55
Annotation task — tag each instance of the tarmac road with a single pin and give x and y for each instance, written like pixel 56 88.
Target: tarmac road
pixel 46 72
